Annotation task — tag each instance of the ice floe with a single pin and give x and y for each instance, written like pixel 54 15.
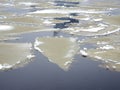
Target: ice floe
pixel 6 27
pixel 21 54
pixel 59 51
pixel 107 51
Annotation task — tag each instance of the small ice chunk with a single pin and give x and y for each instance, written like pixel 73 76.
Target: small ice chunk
pixel 99 43
pixel 91 29
pixel 38 43
pixel 5 66
pixel 1 66
pixel 27 3
pixel 98 57
pixel 30 56
pixel 83 53
pixel 68 62
pixel 107 47
pixel 85 18
pixel 114 67
pixel 99 19
pixel 47 22
pixel 6 27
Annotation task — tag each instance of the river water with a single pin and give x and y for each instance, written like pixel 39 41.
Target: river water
pixel 59 45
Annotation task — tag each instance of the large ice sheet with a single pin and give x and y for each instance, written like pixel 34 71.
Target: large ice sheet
pixel 13 55
pixel 59 51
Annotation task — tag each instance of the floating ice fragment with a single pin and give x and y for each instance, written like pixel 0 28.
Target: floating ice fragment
pixel 59 51
pixel 6 27
pixel 21 53
pixel 85 18
pixel 107 47
pixel 67 63
pixel 30 56
pixel 83 53
pixel 47 22
pixel 98 19
pixel 5 66
pixel 99 43
pixel 96 29
pixel 63 11
pixel 27 3
pixel 36 44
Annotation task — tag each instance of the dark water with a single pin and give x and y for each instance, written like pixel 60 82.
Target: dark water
pixel 66 18
pixel 42 75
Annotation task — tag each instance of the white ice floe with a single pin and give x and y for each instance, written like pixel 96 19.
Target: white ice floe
pixel 30 56
pixel 5 66
pixel 6 27
pixel 6 4
pixel 59 51
pixel 67 63
pixel 107 47
pixel 37 43
pixel 99 43
pixel 97 57
pixel 21 53
pixel 85 18
pixel 96 29
pixel 98 19
pixel 27 3
pixel 110 32
pixel 62 11
pixel 83 53
pixel 102 25
pixel 114 67
pixel 47 22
